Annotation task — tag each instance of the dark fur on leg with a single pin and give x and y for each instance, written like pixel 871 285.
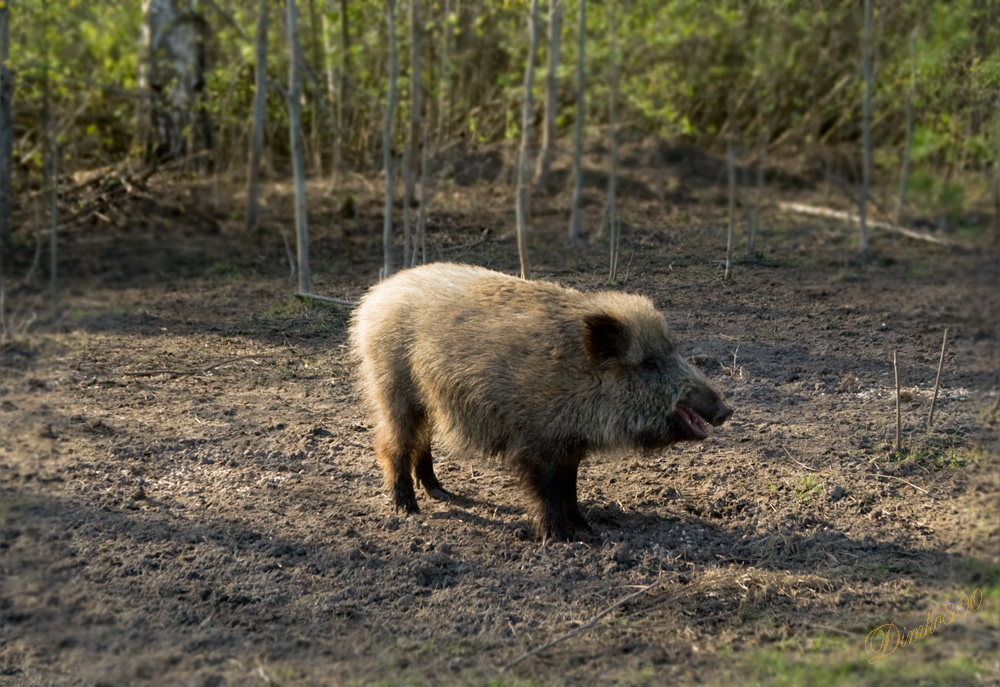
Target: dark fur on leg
pixel 551 481
pixel 423 470
pixel 396 473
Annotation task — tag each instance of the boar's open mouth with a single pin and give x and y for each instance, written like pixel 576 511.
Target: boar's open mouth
pixel 699 409
pixel 691 424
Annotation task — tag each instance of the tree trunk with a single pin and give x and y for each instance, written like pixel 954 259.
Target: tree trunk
pixel 317 60
pixel 761 172
pixel 420 242
pixel 866 116
pixel 522 166
pixel 6 129
pixel 413 146
pixel 611 208
pixel 731 173
pixel 551 91
pixel 259 115
pixel 52 146
pixel 444 76
pixel 905 172
pixel 173 78
pixel 390 109
pixel 298 154
pixel 575 229
pixel 996 192
pixel 345 60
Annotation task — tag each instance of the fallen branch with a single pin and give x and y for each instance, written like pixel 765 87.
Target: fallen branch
pixel 593 621
pixel 185 373
pixel 325 299
pixel 817 211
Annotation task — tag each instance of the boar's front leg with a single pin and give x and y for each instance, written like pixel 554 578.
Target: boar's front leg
pixel 550 478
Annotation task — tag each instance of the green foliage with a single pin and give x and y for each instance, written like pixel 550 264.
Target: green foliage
pixel 786 69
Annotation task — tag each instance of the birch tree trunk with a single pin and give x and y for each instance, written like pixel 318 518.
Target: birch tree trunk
pixel 6 154
pixel 522 166
pixel 298 154
pixel 413 146
pixel 905 172
pixel 390 109
pixel 866 117
pixel 420 240
pixel 172 76
pixel 259 115
pixel 317 59
pixel 551 91
pixel 344 63
pixel 731 175
pixel 575 229
pixel 444 75
pixel 52 146
pixel 754 223
pixel 6 128
pixel 611 208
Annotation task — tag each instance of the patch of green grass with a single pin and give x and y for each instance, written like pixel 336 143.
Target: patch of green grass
pixel 470 678
pixel 919 271
pixel 808 487
pixel 919 455
pixel 291 307
pixel 221 268
pixel 934 458
pixel 986 576
pixel 955 458
pixel 12 509
pixel 842 661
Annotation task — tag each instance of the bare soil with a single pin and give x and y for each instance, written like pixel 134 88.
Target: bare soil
pixel 188 493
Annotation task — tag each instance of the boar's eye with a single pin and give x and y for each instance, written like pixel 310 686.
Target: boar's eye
pixel 649 366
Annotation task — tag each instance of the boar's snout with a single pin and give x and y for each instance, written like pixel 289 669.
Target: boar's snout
pixel 708 404
pixel 700 406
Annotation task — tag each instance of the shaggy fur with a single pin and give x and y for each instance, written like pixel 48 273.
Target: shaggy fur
pixel 525 370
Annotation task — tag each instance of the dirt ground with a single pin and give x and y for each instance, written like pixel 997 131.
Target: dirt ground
pixel 188 492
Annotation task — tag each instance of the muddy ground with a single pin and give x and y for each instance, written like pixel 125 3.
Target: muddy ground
pixel 188 493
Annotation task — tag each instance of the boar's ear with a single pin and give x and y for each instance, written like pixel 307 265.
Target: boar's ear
pixel 604 337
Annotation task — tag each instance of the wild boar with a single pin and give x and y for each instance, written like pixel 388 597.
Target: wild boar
pixel 526 371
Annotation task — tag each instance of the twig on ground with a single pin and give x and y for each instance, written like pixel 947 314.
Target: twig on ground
pixel 325 299
pixel 593 621
pixel 198 371
pixel 895 371
pixel 937 380
pixel 863 474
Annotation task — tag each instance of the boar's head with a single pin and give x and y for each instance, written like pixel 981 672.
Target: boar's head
pixel 651 396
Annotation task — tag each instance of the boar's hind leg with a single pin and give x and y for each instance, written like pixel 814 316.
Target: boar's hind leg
pixel 423 467
pixel 551 481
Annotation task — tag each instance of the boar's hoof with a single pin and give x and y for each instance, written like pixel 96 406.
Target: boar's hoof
pixel 563 529
pixel 405 499
pixel 439 494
